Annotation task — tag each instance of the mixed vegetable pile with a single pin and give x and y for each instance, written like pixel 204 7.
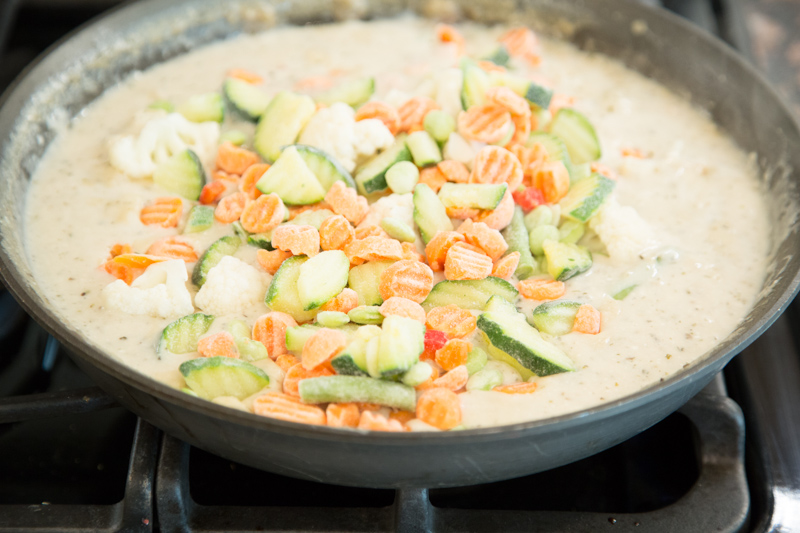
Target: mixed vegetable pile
pixel 491 174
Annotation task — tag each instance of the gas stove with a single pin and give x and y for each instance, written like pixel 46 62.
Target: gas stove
pixel 71 459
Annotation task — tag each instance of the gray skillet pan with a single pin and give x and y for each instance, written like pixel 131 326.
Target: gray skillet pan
pixel 75 72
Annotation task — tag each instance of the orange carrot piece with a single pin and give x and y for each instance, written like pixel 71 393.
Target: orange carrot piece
pixel 448 34
pixel 122 271
pixel 541 289
pixel 270 330
pixel 221 175
pixel 283 407
pixel 522 42
pixel 523 387
pixel 344 302
pixel 487 239
pixel 410 252
pixel 218 345
pixel 297 373
pixel 343 415
pixel 494 164
pixel 141 261
pixel 119 249
pixel 552 178
pixel 299 240
pixel 451 320
pixel 381 111
pixel 286 361
pixel 587 320
pixel 233 159
pixel 271 260
pixel 374 249
pixel 250 179
pixel 465 261
pixel 433 177
pixel 399 306
pixel 322 346
pixel 230 208
pixel 335 232
pixel 488 123
pixel 437 248
pixel 263 214
pixel 347 202
pixel 454 380
pixel 211 192
pixel 412 113
pixel 440 408
pixel 245 75
pixel 454 171
pixel 507 98
pixel 504 268
pixel 174 248
pixel 377 422
pixel 408 279
pixel 402 416
pixel 453 354
pixel 499 217
pixel 164 212
pixel 370 231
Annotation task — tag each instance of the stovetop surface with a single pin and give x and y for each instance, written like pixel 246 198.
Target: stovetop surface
pixel 74 460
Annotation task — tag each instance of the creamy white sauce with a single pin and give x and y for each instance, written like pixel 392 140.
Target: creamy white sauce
pixel 698 193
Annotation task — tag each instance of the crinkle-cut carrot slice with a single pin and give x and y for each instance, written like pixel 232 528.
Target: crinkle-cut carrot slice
pixel 344 302
pixel 322 346
pixel 402 416
pixel 454 380
pixel 408 279
pixel 286 361
pixel 462 213
pixel 507 98
pixel 121 271
pixel 314 83
pixel 343 415
pixel 300 240
pixel 211 192
pixel 174 248
pixel 335 232
pixel 245 75
pixel 221 175
pixel 487 239
pixel 453 354
pixel 529 157
pixel 522 129
pixel 230 208
pixel 465 261
pixel 219 344
pixel 347 202
pixel 454 171
pixel 233 159
pixel 440 408
pixel 523 387
pixel 399 306
pixel 284 407
pixel 528 198
pixel 412 113
pixel 630 151
pixel 541 289
pixel 367 406
pixel 522 42
pixel 410 252
pixel 377 422
pixel 137 260
pixel 298 373
pixel 432 177
pixel 560 100
pixel 488 123
pixel 119 249
pixel 587 320
pixel 448 34
pixel 271 260
pixel 605 170
pixel 371 231
pixel 505 267
pixel 165 212
pixel 495 164
pixel 437 248
pixel 381 111
pixel 374 249
pixel 262 214
pixel 270 330
pixel 249 179
pixel 490 66
pixel 499 217
pixel 452 321
pixel 552 178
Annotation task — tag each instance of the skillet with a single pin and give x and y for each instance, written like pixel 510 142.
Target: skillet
pixel 76 71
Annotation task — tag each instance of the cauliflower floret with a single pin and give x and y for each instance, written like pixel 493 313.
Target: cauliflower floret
pixel 371 136
pixel 160 291
pixel 624 233
pixel 399 206
pixel 230 286
pixel 162 136
pixel 332 130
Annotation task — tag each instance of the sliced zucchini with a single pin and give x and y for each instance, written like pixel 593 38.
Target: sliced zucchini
pixel 469 294
pixel 485 379
pixel 538 95
pixel 540 234
pixel 201 217
pixel 239 231
pixel 402 342
pixel 181 336
pixel 353 92
pixel 291 179
pixel 366 314
pixel 439 124
pixel 332 319
pixel 565 260
pixel 249 349
pixel 418 374
pixel 571 231
pixel 476 82
pixel 430 214
pixel 297 336
pixel 281 123
pixel 212 256
pixel 366 279
pixel 321 278
pixel 397 229
pixel 402 177
pixel 282 294
pixel 578 135
pixel 235 137
pixel 556 317
pixel 424 150
pixel 261 240
pixel 357 389
pixel 203 108
pixel 371 176
pixel 586 196
pixel 211 377
pixel 246 99
pixel 499 56
pixel 507 330
pixel 541 216
pixel 182 174
pixel 476 360
pixel 516 236
pixel 325 167
pixel 352 361
pixel 473 195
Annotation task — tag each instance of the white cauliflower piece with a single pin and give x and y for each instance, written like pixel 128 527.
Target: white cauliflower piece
pixel 448 90
pixel 624 233
pixel 332 130
pixel 230 286
pixel 160 291
pixel 371 136
pixel 399 206
pixel 162 136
